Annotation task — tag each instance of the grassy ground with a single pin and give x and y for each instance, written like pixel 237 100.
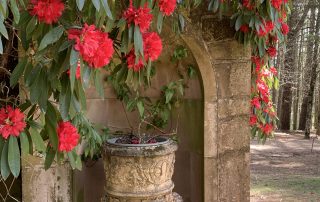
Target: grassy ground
pixel 285 169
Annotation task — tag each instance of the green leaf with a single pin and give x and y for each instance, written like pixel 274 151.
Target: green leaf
pixel 50 127
pixel 64 101
pixel 238 22
pixel 169 95
pixel 72 160
pixel 138 42
pixel 24 141
pixel 51 37
pixel 1 146
pixel 96 4
pixel 159 22
pixel 1 46
pixel 31 26
pixel 15 11
pixel 17 72
pixel 140 108
pixel 14 156
pixel 80 4
pixel 50 154
pixel 37 140
pixel 74 56
pixel 98 83
pixel 5 170
pixel 107 8
pixel 3 30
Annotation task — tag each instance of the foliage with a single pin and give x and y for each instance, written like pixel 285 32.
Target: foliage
pixel 65 46
pixel 261 24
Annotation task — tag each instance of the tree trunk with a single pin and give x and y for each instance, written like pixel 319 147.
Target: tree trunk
pixel 288 71
pixel 313 79
pixel 307 72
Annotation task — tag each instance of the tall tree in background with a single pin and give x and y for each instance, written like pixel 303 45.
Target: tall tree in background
pixel 307 68
pixel 314 74
pixel 296 21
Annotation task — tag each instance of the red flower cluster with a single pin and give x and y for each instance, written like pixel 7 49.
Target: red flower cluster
pixel 152 45
pixel 68 136
pixel 152 48
pixel 140 17
pixel 244 28
pixel 78 71
pixel 284 28
pixel 267 128
pixel 11 122
pixel 95 47
pixel 247 4
pixel 131 61
pixel 272 51
pixel 47 11
pixel 167 6
pixel 276 4
pixel 268 27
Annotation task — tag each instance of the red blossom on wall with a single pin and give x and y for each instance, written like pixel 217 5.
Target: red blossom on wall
pixel 167 6
pixel 152 45
pixel 11 122
pixel 131 59
pixel 140 17
pixel 94 46
pixel 68 136
pixel 47 11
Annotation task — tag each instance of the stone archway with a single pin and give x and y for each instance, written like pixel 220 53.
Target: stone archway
pixel 208 77
pixel 225 69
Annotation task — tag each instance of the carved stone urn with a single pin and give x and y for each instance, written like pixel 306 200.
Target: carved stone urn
pixel 139 172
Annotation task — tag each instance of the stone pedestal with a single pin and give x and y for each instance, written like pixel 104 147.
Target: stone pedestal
pixel 39 185
pixel 139 173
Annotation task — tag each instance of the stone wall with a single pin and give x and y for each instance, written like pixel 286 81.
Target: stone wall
pixel 227 145
pixel 212 162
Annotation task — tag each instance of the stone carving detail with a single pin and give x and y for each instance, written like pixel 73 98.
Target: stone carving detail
pixel 165 198
pixel 134 172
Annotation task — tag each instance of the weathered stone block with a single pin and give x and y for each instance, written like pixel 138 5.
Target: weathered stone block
pixel 233 107
pixel 234 134
pixel 233 80
pixel 39 185
pixel 234 177
pixel 229 50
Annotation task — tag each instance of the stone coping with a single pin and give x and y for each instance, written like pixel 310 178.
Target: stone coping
pixel 147 151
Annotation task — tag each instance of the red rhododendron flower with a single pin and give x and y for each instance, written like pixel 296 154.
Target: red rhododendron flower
pixel 11 122
pixel 276 4
pixel 274 71
pixel 68 136
pixel 167 6
pixel 272 51
pixel 256 102
pixel 247 4
pixel 265 99
pixel 253 120
pixel 78 71
pixel 257 61
pixel 267 128
pixel 244 28
pixel 131 59
pixel 140 17
pixel 262 87
pixel 284 28
pixel 268 27
pixel 94 46
pixel 265 73
pixel 152 45
pixel 47 11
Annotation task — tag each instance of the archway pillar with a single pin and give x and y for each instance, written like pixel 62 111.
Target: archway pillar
pixel 225 71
